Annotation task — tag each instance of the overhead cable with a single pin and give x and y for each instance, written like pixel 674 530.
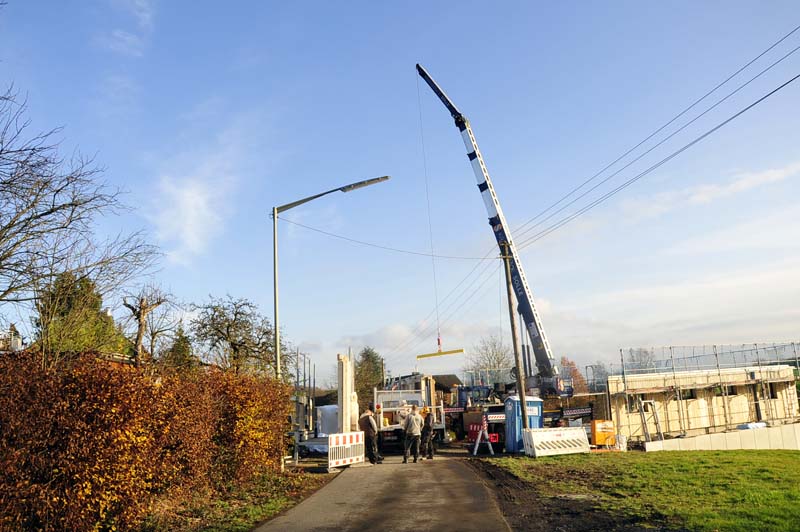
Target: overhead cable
pixel 379 246
pixel 672 120
pixel 637 177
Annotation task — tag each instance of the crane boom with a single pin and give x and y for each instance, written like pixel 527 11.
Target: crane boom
pixel 549 379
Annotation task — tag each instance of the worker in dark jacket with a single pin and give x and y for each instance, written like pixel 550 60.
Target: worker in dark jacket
pixel 427 437
pixel 366 423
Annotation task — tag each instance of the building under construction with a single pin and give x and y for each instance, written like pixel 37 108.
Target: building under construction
pixel 696 390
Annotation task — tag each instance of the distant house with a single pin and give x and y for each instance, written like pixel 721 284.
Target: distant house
pixel 692 403
pixel 10 340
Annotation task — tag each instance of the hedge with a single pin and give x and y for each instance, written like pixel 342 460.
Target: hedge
pixel 93 445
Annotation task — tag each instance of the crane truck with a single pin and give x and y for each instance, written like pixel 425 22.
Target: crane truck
pixel 548 380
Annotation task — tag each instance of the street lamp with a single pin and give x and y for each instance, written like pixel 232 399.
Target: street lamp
pixel 275 212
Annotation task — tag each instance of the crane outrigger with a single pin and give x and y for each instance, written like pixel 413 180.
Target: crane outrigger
pixel 548 380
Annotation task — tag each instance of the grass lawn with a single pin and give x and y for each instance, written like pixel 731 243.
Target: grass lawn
pixel 701 490
pixel 239 510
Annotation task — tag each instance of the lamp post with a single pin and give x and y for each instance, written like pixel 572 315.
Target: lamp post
pixel 275 212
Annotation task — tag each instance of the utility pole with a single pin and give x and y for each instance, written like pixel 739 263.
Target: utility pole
pixel 297 408
pixel 275 289
pixel 523 403
pixel 314 395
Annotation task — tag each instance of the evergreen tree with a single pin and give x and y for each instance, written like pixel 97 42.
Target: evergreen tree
pixel 369 375
pixel 179 354
pixel 70 319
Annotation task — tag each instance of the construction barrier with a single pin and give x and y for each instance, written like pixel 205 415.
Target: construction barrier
pixel 779 437
pixel 475 428
pixel 345 449
pixel 547 442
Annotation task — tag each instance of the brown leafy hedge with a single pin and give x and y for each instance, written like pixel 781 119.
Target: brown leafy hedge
pixel 92 445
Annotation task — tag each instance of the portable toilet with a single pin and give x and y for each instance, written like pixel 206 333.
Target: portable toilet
pixel 514 420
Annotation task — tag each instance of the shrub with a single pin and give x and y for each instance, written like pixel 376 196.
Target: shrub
pixel 92 445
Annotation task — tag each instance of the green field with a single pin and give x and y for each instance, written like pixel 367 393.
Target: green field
pixel 702 490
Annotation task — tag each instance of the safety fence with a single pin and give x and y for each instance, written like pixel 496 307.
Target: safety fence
pixel 549 442
pixel 345 449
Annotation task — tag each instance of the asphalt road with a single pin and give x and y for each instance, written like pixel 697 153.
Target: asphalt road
pixel 442 494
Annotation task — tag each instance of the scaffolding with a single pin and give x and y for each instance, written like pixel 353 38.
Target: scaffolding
pixel 675 391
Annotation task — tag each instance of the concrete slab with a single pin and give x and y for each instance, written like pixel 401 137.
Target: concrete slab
pixel 442 494
pixel 717 442
pixel 761 438
pixel 651 446
pixel 702 443
pixel 733 440
pixel 775 438
pixel 789 435
pixel 748 439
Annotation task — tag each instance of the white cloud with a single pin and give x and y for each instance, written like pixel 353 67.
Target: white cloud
pixel 142 10
pixel 189 216
pixel 666 201
pixel 743 182
pixel 776 231
pixel 130 43
pixel 196 184
pixel 123 42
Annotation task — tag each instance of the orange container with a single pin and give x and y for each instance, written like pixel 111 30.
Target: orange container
pixel 603 432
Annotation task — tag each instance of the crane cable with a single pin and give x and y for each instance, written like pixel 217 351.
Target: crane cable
pixel 430 222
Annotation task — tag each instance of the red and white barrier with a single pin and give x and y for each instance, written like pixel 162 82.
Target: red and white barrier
pixel 345 449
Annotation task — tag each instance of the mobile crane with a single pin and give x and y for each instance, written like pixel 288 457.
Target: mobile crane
pixel 548 380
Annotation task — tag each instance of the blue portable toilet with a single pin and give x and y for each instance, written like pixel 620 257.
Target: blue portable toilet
pixel 514 420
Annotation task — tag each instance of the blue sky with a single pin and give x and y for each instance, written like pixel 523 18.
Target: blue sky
pixel 210 115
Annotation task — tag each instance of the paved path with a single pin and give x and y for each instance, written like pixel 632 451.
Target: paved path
pixel 443 494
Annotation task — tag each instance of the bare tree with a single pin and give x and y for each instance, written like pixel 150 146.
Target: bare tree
pixel 600 373
pixel 162 323
pixel 640 359
pixel 48 206
pixel 491 357
pixel 237 336
pixel 141 306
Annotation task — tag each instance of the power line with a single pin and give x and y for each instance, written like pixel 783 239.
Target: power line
pixel 450 315
pixel 659 143
pixel 419 327
pixel 423 330
pixel 673 119
pixel 666 159
pixel 379 246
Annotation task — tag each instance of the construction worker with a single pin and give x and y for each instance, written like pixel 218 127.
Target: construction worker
pixel 366 423
pixel 413 428
pixel 427 437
